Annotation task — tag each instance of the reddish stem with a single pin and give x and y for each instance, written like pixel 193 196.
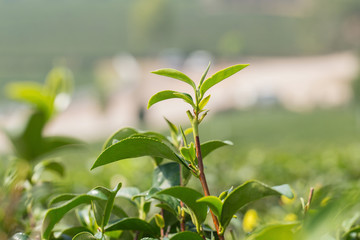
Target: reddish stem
pixel 204 183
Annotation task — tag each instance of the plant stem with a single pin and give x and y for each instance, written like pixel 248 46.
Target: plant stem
pixel 202 174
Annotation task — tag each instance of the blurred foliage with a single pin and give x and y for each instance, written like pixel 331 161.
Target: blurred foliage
pixel 29 175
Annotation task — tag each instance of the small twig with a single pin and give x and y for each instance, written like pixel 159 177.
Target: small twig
pixel 307 206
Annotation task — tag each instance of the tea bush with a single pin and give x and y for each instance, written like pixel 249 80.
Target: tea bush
pixel 170 208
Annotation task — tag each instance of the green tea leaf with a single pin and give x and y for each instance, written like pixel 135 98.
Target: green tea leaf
pixel 62 198
pixel 118 136
pixel 208 147
pixel 173 73
pixel 189 196
pixel 47 165
pixel 173 128
pixel 168 94
pixel 134 147
pixel 159 221
pixel 203 102
pixel 166 175
pixel 214 203
pixel 102 209
pixel 283 231
pixel 246 193
pixel 134 224
pixel 72 232
pixel 220 76
pixel 84 236
pixel 55 142
pixel 54 215
pixel 187 236
pixel 32 93
pixel 204 74
pixel 28 144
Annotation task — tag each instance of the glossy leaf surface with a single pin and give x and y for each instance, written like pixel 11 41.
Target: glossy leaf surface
pixel 208 147
pixel 134 147
pixel 246 193
pixel 214 203
pixel 173 73
pixel 168 94
pixel 220 76
pixel 275 232
pixel 118 136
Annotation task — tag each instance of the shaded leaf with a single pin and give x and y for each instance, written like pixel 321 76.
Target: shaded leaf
pixel 134 224
pixel 187 236
pixel 168 94
pixel 166 175
pixel 246 193
pixel 208 147
pixel 189 196
pixel 134 147
pixel 173 73
pixel 62 198
pixel 219 76
pixel 28 144
pixel 54 142
pixel 72 232
pixel 84 236
pixel 47 165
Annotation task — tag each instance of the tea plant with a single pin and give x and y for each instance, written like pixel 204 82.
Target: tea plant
pixel 26 186
pixel 169 209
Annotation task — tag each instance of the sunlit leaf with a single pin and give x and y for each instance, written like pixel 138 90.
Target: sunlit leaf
pixel 204 74
pixel 214 203
pixel 283 231
pixel 168 94
pixel 118 136
pixel 220 76
pixel 173 73
pixel 208 147
pixel 32 93
pixel 203 102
